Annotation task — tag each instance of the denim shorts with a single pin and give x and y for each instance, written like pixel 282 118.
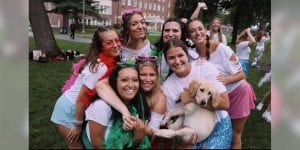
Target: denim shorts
pixel 64 112
pixel 245 65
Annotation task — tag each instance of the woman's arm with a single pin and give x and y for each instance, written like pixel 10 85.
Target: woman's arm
pixel 97 132
pixel 105 91
pixel 79 113
pixel 197 10
pixel 251 38
pixel 223 101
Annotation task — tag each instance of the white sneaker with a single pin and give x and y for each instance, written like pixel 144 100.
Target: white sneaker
pixel 259 106
pixel 267 116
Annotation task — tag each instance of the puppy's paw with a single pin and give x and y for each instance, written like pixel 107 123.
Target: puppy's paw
pixel 165 133
pixel 164 121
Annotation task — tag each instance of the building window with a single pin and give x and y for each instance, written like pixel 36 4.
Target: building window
pixel 163 8
pixel 154 6
pixel 134 3
pixel 169 5
pixel 129 2
pixel 104 10
pixel 158 7
pixel 150 6
pixel 123 2
pixel 141 4
pixel 145 5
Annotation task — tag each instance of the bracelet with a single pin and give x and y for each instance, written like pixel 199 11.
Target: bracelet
pixel 78 123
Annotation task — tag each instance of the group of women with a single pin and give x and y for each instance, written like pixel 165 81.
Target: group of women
pixel 123 91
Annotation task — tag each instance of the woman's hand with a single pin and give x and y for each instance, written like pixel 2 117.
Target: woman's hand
pixel 128 122
pixel 74 134
pixel 139 130
pixel 222 78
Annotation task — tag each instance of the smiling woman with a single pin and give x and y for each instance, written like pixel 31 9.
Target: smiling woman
pixel 105 126
pixel 134 34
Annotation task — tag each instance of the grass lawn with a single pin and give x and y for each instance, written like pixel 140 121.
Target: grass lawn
pixel 46 80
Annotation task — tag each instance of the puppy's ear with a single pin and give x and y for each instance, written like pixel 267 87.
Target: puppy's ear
pixel 214 97
pixel 193 87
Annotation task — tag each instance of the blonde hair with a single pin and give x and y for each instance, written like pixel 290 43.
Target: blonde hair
pixel 157 87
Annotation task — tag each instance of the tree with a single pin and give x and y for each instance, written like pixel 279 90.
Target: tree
pixel 73 9
pixel 42 31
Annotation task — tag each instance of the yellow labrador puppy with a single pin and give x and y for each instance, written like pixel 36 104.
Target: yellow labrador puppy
pixel 196 117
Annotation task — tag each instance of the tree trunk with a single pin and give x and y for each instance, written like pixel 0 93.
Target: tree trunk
pixel 42 31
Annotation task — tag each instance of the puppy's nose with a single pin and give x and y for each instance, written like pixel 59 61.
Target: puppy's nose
pixel 203 102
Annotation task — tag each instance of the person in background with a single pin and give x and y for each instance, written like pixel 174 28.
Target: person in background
pixel 72 28
pixel 261 38
pixel 69 109
pixel 215 30
pixel 243 42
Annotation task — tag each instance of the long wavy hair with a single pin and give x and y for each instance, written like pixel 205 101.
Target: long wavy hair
pixel 95 49
pixel 139 101
pixel 126 28
pixel 219 30
pixel 160 43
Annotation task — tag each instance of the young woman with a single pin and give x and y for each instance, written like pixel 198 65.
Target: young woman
pixel 241 94
pixel 104 128
pixel 182 73
pixel 134 31
pixel 172 29
pixel 151 89
pixel 243 42
pixel 215 30
pixel 260 47
pixel 100 61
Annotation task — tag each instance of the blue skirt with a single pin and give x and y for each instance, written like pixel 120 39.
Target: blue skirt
pixel 220 138
pixel 64 112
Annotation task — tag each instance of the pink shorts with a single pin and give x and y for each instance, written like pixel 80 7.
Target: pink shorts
pixel 241 101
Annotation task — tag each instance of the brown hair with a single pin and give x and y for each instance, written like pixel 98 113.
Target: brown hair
pixel 125 27
pixel 259 35
pixel 219 30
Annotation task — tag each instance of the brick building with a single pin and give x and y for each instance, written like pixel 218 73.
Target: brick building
pixel 155 12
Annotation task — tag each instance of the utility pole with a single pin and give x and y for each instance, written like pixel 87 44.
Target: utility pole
pixel 83 17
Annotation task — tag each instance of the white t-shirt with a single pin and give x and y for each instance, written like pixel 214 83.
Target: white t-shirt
pixel 174 85
pixel 243 50
pixel 100 112
pixel 261 44
pixel 221 59
pixel 216 37
pixel 128 55
pixel 87 78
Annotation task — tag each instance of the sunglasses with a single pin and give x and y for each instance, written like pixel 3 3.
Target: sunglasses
pixel 131 11
pixel 112 42
pixel 146 58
